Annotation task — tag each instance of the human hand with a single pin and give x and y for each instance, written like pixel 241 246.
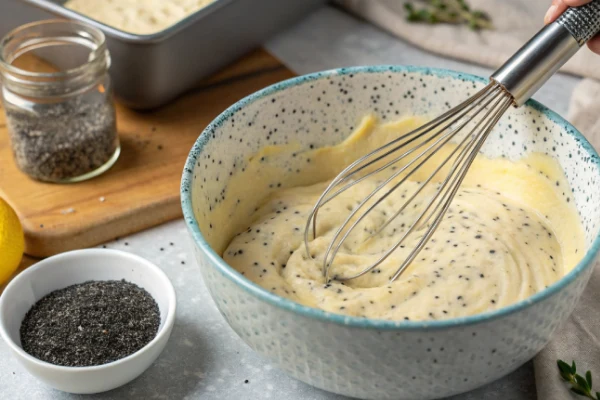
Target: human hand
pixel 560 6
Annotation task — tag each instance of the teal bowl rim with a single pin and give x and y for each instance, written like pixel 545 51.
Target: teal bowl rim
pixel 360 322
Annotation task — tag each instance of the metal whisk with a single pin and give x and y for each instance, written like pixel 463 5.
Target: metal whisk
pixel 513 84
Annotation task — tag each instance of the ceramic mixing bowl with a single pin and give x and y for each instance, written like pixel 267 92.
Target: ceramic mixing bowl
pixel 365 358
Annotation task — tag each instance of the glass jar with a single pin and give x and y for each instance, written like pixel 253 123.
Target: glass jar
pixel 57 97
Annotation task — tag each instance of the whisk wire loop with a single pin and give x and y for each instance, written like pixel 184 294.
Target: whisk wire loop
pixel 492 102
pixel 348 172
pixel 336 243
pixel 455 185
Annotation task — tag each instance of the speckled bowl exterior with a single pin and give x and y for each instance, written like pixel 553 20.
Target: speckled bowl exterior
pixel 375 359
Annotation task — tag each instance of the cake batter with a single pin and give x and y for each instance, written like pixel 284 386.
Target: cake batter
pixel 509 233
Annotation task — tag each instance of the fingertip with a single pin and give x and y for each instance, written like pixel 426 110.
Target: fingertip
pixel 594 45
pixel 549 17
pixel 556 9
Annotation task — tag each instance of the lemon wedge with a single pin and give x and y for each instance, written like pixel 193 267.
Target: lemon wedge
pixel 12 241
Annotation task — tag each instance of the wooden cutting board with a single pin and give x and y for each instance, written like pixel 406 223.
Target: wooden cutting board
pixel 142 188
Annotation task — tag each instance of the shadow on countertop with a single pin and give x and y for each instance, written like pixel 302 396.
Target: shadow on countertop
pixel 177 373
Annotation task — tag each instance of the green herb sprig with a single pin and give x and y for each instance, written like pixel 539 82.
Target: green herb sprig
pixel 579 384
pixel 447 11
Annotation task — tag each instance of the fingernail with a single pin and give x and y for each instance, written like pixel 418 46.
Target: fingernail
pixel 550 14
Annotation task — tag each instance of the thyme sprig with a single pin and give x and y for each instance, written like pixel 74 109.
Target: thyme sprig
pixel 579 384
pixel 447 11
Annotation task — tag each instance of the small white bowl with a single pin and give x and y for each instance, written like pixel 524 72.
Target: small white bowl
pixel 75 267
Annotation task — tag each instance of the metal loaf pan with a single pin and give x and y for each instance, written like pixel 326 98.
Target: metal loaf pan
pixel 150 70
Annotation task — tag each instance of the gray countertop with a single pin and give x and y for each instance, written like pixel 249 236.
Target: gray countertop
pixel 204 358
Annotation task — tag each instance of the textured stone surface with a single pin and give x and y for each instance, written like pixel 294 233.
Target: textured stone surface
pixel 204 357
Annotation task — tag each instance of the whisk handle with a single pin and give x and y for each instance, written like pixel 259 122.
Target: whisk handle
pixel 583 23
pixel 525 72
